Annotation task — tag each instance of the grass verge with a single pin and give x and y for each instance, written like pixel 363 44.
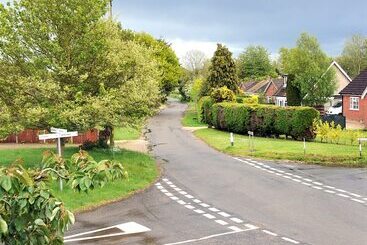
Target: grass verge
pixel 142 171
pixel 190 118
pixel 127 133
pixel 316 153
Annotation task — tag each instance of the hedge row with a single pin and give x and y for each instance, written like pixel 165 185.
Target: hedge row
pixel 263 120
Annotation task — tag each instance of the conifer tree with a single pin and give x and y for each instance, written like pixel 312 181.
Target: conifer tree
pixel 222 72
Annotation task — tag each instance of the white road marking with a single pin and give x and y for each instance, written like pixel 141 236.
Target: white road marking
pixel 196 201
pixel 181 202
pixel 183 192
pixel 206 238
pixel 270 171
pixel 317 187
pixel 289 240
pixel 328 191
pixel 157 184
pixel 236 220
pixel 189 206
pixel 308 180
pixel 296 180
pixel 353 194
pixel 164 190
pixel 357 200
pixel 330 187
pixel 317 183
pixel 204 205
pixel 270 233
pixel 199 211
pixel 221 222
pixel 169 183
pixel 224 214
pixel 235 228
pixel 342 195
pixel 304 183
pixel 297 176
pixel 279 174
pixel 287 177
pixel 174 198
pixel 214 209
pixel 165 180
pixel 125 228
pixel 160 187
pixel 177 189
pixel 340 190
pixel 173 186
pixel 209 216
pixel 189 196
pixel 252 227
pixel 169 194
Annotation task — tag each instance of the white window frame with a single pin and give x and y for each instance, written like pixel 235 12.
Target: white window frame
pixel 354 103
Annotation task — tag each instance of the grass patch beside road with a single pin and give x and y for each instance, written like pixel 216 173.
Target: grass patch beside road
pixel 316 153
pixel 190 118
pixel 141 168
pixel 127 133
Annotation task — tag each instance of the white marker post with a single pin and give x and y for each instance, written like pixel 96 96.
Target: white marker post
pixel 304 146
pixel 231 138
pixel 58 133
pixel 251 140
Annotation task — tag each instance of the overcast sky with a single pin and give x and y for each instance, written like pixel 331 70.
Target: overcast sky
pixel 200 24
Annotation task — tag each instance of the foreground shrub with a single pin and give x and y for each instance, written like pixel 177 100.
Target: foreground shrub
pixel 263 120
pixel 30 213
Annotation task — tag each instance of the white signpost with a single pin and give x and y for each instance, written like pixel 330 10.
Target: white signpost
pixel 58 133
pixel 360 141
pixel 251 140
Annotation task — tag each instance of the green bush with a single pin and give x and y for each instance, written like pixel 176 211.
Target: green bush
pixel 204 109
pixel 263 120
pixel 251 100
pixel 223 94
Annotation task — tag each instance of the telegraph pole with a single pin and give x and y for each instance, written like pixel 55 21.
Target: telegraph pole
pixel 110 9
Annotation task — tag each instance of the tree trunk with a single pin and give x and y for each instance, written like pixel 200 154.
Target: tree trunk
pixel 112 137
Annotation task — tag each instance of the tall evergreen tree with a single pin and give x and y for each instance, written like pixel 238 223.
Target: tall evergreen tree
pixel 222 72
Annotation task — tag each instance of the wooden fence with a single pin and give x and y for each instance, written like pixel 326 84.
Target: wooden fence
pixel 31 136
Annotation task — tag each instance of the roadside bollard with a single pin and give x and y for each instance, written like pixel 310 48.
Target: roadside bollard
pixel 231 138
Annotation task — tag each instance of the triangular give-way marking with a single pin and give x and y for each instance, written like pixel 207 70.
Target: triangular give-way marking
pixel 125 228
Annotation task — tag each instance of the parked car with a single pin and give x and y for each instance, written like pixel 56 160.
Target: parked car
pixel 336 109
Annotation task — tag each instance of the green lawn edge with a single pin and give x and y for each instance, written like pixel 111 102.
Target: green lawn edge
pixel 331 155
pixel 142 168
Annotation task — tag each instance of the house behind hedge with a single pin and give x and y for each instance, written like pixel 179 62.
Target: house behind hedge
pixel 355 102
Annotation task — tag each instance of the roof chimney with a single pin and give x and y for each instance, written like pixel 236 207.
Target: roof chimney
pixel 285 79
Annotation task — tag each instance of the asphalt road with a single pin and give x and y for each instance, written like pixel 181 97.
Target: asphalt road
pixel 206 197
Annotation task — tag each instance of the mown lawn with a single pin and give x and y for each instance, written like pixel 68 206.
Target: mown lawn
pixel 141 168
pixel 316 153
pixel 127 133
pixel 190 118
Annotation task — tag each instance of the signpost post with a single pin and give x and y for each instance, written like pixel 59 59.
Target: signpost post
pixel 231 138
pixel 58 133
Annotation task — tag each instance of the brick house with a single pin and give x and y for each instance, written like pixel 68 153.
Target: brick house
pixel 355 102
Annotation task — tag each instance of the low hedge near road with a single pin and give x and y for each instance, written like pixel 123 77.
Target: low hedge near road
pixel 263 120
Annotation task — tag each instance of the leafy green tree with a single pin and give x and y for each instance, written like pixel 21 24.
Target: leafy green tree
pixel 308 66
pixel 354 56
pixel 222 72
pixel 169 65
pixel 66 66
pixel 255 64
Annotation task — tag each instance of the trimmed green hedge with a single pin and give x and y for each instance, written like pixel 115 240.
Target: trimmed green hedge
pixel 204 109
pixel 263 120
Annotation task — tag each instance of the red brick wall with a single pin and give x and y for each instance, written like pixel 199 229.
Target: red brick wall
pixel 271 90
pixel 352 115
pixel 31 136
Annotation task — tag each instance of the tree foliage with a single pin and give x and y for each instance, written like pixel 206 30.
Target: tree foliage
pixel 65 65
pixel 30 213
pixel 255 64
pixel 222 72
pixel 354 56
pixel 307 65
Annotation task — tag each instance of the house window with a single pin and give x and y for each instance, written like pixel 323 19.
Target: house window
pixel 354 103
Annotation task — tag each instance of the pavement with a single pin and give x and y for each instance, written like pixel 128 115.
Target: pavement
pixel 206 197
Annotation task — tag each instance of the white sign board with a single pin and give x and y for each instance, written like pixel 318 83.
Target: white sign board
pixel 58 130
pixel 250 133
pixel 57 135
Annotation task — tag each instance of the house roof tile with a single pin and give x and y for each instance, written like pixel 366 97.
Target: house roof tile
pixel 357 86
